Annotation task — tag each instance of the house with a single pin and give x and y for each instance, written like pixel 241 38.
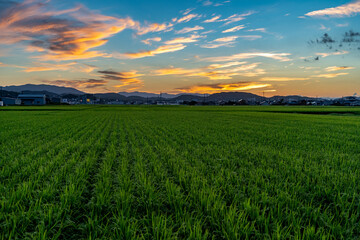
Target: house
pixel 32 99
pixel 7 101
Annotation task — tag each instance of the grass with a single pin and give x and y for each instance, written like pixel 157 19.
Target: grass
pixel 157 172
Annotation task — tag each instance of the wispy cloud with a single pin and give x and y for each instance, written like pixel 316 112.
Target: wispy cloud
pixel 159 50
pixel 250 37
pixel 236 17
pixel 149 40
pixel 283 79
pixel 187 11
pixel 329 75
pixel 192 38
pixel 277 56
pixel 223 87
pixel 213 19
pixel 221 42
pixel 213 3
pixel 189 29
pixel 154 27
pixel 234 29
pixel 225 65
pixel 187 18
pixel 81 84
pixel 226 39
pixel 232 19
pixel 335 68
pixel 342 24
pixel 263 30
pixel 346 10
pixel 71 66
pixel 332 53
pixel 115 75
pixel 249 70
pixel 217 45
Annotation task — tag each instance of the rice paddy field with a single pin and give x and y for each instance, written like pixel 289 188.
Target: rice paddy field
pixel 177 172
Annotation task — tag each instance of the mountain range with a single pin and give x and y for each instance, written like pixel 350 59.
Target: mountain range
pixel 43 87
pixel 56 91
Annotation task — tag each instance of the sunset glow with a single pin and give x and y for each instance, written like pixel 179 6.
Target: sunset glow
pixel 280 47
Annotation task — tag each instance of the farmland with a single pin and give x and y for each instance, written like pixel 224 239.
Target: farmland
pixel 157 172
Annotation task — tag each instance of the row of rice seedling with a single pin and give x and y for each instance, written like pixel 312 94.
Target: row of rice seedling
pixel 179 172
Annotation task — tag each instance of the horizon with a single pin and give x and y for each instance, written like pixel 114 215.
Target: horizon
pixel 281 47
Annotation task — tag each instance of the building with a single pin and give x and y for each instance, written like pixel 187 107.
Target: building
pixel 32 99
pixel 7 101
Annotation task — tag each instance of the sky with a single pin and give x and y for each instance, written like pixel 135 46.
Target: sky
pixel 309 47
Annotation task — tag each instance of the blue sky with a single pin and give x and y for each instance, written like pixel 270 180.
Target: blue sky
pixel 276 47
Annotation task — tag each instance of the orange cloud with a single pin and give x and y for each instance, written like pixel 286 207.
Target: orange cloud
pixel 330 75
pixel 50 67
pixel 126 79
pixel 332 54
pixel 71 66
pixel 114 75
pixel 86 84
pixel 159 50
pixel 225 65
pixel 334 68
pixel 223 87
pixel 283 79
pixel 192 38
pixel 208 72
pixel 68 34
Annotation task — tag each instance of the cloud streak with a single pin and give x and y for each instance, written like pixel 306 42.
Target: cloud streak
pixel 150 53
pixel 87 84
pixel 283 79
pixel 189 29
pixel 330 75
pixel 335 68
pixel 149 40
pixel 192 38
pixel 283 57
pixel 123 79
pixel 234 29
pixel 346 10
pixel 249 70
pixel 223 87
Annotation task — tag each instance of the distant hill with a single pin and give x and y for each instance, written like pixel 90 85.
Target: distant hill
pixel 230 96
pixel 110 96
pixel 43 88
pixel 189 97
pixel 152 95
pixel 294 97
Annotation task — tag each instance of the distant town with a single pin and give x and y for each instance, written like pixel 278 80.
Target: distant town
pixel 30 95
